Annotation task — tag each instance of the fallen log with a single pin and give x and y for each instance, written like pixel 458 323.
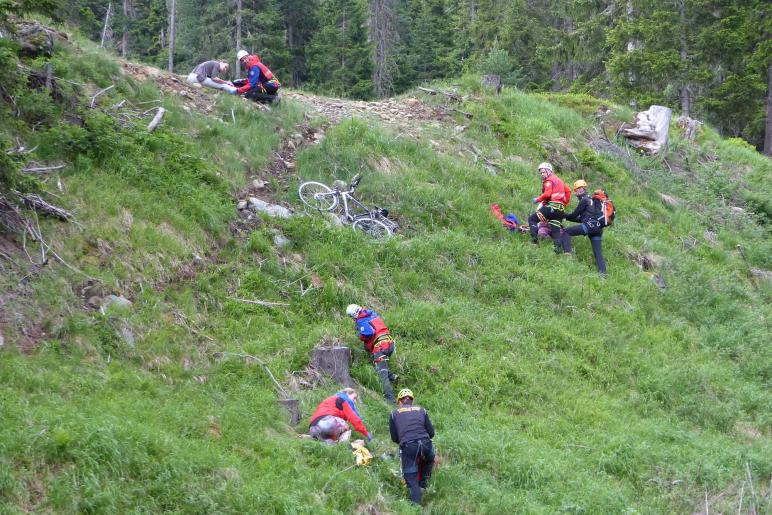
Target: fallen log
pixel 36 203
pixel 156 120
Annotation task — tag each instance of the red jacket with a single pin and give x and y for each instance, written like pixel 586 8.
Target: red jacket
pixel 340 407
pixel 554 190
pixel 257 73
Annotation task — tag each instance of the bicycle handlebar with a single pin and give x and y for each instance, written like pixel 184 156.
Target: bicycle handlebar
pixel 355 181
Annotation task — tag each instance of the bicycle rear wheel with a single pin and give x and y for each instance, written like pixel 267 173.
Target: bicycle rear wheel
pixel 318 196
pixel 372 227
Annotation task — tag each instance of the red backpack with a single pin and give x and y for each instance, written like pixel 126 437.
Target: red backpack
pixel 605 207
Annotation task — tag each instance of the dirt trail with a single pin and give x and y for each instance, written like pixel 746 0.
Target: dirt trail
pixel 400 112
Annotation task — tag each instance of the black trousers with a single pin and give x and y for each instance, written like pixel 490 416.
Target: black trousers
pixel 553 215
pixel 596 240
pixel 264 96
pixel 381 363
pixel 417 464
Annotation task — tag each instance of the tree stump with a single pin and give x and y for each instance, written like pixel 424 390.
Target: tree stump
pixel 334 361
pixel 293 407
pixel 650 132
pixel 492 81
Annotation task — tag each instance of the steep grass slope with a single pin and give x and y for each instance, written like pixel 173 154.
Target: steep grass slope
pixel 552 390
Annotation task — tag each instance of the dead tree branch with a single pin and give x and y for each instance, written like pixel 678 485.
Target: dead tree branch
pixel 93 99
pixel 259 302
pixel 42 169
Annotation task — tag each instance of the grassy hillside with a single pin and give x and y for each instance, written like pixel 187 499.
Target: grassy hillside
pixel 552 390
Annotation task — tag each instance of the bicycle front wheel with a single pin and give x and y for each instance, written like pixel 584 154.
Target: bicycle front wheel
pixel 372 227
pixel 318 196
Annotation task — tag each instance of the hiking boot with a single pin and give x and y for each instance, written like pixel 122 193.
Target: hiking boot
pixel 393 377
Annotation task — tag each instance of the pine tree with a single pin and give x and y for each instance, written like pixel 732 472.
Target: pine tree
pixel 339 54
pixel 426 50
pixel 300 22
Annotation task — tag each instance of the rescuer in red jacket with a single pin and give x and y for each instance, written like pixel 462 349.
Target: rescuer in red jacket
pixel 552 205
pixel 378 341
pixel 329 421
pixel 260 84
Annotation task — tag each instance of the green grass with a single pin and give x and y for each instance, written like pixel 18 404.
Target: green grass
pixel 552 390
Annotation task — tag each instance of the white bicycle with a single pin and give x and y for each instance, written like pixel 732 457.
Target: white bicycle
pixel 373 222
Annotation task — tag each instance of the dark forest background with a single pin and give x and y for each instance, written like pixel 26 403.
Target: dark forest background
pixel 709 59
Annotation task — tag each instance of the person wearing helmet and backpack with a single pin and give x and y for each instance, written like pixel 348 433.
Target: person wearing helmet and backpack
pixel 553 201
pixel 589 214
pixel 412 430
pixel 378 342
pixel 260 84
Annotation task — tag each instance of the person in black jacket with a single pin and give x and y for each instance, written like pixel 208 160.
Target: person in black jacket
pixel 588 217
pixel 411 428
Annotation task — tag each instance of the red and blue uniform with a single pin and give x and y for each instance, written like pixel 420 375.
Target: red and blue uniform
pixel 378 341
pixel 373 331
pixel 259 79
pixel 340 405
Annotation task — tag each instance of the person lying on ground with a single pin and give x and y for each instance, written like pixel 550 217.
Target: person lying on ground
pixel 553 201
pixel 329 422
pixel 588 215
pixel 207 74
pixel 260 84
pixel 378 342
pixel 412 430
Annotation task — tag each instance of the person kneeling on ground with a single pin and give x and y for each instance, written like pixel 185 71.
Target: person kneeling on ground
pixel 412 430
pixel 329 421
pixel 207 74
pixel 553 199
pixel 378 342
pixel 260 84
pixel 588 216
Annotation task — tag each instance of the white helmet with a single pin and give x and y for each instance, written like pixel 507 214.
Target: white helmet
pixel 546 166
pixel 241 54
pixel 353 310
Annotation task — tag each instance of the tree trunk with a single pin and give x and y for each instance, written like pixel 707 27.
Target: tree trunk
pixel 172 12
pixel 237 67
pixel 125 35
pixel 383 35
pixel 107 24
pixel 685 90
pixel 768 128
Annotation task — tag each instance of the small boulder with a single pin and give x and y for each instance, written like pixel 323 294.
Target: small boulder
pixel 272 210
pixel 117 300
pixel 760 273
pixel 241 205
pixel 258 184
pixel 280 241
pixel 669 200
pixel 127 335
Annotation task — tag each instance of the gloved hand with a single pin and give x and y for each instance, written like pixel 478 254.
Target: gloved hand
pixel 535 200
pixel 369 437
